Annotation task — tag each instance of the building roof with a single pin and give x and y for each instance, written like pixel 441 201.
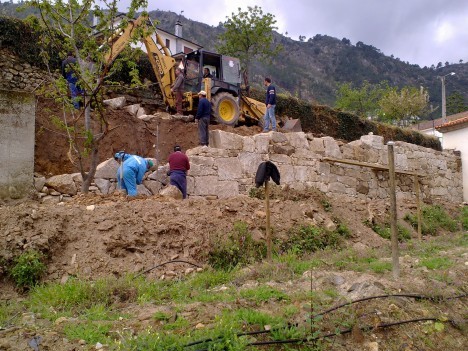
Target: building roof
pixel 175 36
pixel 454 125
pixel 436 123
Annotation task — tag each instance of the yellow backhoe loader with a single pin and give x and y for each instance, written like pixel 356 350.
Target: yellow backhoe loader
pixel 229 106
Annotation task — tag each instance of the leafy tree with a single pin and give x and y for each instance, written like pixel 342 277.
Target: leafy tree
pixel 302 38
pixel 346 41
pixel 399 105
pixel 249 36
pixel 66 25
pixel 456 103
pixel 363 101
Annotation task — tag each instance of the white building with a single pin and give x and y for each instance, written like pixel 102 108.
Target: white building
pixel 455 136
pixel 174 42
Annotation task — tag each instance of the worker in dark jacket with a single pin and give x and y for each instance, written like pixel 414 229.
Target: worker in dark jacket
pixel 270 107
pixel 72 80
pixel 131 171
pixel 178 89
pixel 203 118
pixel 178 167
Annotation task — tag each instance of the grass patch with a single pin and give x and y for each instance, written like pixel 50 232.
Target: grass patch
pixel 385 232
pixel 433 219
pixel 10 312
pixel 380 267
pixel 464 217
pixel 91 332
pixel 436 263
pixel 238 250
pixel 307 238
pixel 263 293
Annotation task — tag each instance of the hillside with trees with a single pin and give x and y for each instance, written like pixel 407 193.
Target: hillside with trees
pixel 314 68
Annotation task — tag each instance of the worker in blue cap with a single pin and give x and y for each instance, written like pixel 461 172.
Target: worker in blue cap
pixel 131 171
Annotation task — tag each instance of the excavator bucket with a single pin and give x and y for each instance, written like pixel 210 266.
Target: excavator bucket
pixel 292 125
pixel 252 109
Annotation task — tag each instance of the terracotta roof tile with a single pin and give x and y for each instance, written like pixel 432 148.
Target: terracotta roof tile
pixel 457 122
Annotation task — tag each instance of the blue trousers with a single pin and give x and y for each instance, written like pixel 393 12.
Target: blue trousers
pixel 179 179
pixel 75 92
pixel 269 117
pixel 128 181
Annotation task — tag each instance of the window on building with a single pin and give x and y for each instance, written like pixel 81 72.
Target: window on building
pixel 168 43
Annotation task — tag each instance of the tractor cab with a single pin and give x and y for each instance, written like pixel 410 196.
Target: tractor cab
pixel 224 70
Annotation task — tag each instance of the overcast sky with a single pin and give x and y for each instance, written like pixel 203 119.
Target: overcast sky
pixel 424 32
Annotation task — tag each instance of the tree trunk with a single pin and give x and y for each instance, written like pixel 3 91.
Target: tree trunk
pixel 88 177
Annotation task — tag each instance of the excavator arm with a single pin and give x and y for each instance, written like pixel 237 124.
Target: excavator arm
pixel 161 60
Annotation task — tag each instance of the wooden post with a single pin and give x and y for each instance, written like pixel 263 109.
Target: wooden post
pixel 268 230
pixel 393 211
pixel 418 203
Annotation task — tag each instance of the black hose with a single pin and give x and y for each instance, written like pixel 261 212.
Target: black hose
pixel 414 296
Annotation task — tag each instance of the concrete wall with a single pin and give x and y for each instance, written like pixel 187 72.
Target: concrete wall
pixel 17 118
pixel 456 140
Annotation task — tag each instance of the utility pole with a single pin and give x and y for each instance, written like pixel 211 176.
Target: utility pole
pixel 444 105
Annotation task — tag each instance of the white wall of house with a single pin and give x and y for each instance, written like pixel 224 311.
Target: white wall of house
pixel 176 44
pixel 456 140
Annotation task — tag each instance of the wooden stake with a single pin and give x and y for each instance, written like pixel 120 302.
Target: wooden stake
pixel 418 203
pixel 393 211
pixel 268 230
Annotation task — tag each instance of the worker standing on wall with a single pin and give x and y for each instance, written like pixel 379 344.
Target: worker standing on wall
pixel 178 89
pixel 270 103
pixel 131 171
pixel 203 118
pixel 178 166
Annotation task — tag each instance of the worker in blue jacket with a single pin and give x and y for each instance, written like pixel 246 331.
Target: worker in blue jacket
pixel 131 171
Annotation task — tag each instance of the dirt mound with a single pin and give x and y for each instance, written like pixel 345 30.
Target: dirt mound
pixel 97 235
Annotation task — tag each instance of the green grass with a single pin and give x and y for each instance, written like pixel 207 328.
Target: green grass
pixel 91 332
pixel 380 267
pixel 464 217
pixel 385 232
pixel 433 219
pixel 436 263
pixel 10 312
pixel 263 294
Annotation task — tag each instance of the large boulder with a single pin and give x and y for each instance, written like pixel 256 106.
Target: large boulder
pixel 160 175
pixel 153 186
pixel 39 183
pixel 63 184
pixel 132 109
pixel 115 103
pixel 107 169
pixel 103 185
pixel 142 190
pixel 172 192
pixel 228 141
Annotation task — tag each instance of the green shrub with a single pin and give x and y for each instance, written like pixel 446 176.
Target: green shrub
pixel 28 269
pixel 238 250
pixel 308 238
pixel 385 232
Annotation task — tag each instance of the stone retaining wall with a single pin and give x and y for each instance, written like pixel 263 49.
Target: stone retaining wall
pixel 17 75
pixel 227 168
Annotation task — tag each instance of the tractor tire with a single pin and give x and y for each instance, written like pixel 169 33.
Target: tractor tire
pixel 225 108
